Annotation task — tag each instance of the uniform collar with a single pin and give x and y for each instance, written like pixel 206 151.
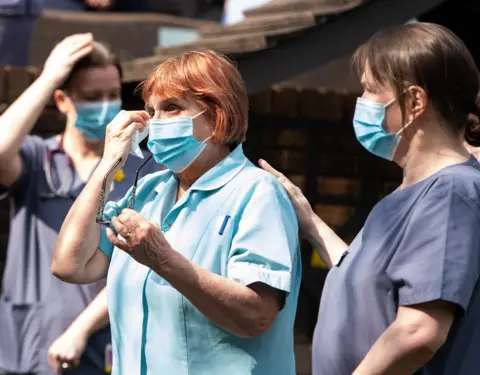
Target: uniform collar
pixel 220 174
pixel 53 143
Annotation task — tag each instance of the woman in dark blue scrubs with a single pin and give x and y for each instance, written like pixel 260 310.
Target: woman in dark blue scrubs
pixel 404 297
pixel 44 322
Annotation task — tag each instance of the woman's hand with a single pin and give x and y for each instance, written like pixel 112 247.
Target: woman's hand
pixel 119 135
pixel 67 350
pixel 144 240
pixel 65 55
pixel 302 207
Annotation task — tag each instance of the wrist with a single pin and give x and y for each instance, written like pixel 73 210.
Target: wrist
pixel 107 165
pixel 80 330
pixel 48 80
pixel 168 263
pixel 309 229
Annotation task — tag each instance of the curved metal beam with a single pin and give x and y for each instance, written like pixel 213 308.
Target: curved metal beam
pixel 324 42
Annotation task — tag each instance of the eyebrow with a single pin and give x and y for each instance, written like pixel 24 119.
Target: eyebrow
pixel 164 102
pixel 97 91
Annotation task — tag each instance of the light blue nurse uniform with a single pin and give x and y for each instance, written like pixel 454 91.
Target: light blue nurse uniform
pixel 235 221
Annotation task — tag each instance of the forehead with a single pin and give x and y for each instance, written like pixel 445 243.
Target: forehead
pixel 96 79
pixel 158 100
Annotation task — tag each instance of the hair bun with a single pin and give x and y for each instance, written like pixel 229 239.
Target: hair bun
pixel 472 132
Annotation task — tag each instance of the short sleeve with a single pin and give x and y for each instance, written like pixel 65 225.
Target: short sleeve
pixel 265 246
pixel 438 256
pixel 111 210
pixel 32 155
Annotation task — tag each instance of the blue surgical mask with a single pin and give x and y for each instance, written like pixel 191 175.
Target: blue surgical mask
pixel 368 124
pixel 172 143
pixel 93 118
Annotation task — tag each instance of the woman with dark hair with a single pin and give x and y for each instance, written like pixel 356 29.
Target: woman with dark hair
pixel 404 297
pixel 44 321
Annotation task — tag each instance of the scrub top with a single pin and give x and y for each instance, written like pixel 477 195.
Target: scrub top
pixel 235 221
pixel 21 8
pixel 35 306
pixel 419 244
pixel 17 24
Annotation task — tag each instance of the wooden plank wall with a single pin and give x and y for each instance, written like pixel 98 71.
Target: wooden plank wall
pixel 308 135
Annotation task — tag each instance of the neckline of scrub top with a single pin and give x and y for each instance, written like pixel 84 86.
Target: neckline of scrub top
pixel 471 161
pixel 219 175
pixel 55 144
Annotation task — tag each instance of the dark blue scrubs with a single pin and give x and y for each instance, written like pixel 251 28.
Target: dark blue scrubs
pixel 17 23
pixel 36 307
pixel 419 244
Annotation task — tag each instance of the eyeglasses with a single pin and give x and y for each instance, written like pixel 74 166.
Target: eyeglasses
pixel 131 202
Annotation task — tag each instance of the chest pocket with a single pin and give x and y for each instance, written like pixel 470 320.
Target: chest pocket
pixel 199 230
pixel 220 231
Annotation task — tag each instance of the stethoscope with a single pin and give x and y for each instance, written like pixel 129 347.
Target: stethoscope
pixel 63 191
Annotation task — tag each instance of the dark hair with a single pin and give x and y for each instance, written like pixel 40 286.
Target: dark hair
pixel 434 58
pixel 101 56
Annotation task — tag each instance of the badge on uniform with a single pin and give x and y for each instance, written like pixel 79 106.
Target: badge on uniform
pixel 108 358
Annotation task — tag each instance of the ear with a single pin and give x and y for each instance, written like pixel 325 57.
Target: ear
pixel 63 102
pixel 416 103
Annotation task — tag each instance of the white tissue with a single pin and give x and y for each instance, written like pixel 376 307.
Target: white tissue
pixel 138 137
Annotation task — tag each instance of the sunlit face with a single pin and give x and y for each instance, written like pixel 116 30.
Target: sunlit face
pixel 166 108
pixel 203 128
pixel 383 94
pixel 95 84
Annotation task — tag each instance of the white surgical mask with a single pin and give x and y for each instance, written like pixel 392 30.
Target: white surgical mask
pixel 137 138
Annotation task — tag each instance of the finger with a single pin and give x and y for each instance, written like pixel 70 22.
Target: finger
pixel 72 46
pixel 130 218
pixel 52 361
pixel 80 53
pixel 65 365
pixel 74 38
pixel 126 118
pixel 56 366
pixel 145 115
pixel 122 245
pixel 269 168
pixel 141 116
pixel 120 227
pixel 82 39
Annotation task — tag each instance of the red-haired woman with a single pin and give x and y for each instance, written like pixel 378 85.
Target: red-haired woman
pixel 203 259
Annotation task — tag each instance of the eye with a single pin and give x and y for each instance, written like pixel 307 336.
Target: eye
pixel 172 108
pixel 93 98
pixel 114 95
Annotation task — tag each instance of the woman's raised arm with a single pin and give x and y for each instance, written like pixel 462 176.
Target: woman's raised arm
pixel 76 257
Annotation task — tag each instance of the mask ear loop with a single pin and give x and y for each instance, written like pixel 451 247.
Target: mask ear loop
pixel 407 125
pixel 198 114
pixel 402 129
pixel 194 117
